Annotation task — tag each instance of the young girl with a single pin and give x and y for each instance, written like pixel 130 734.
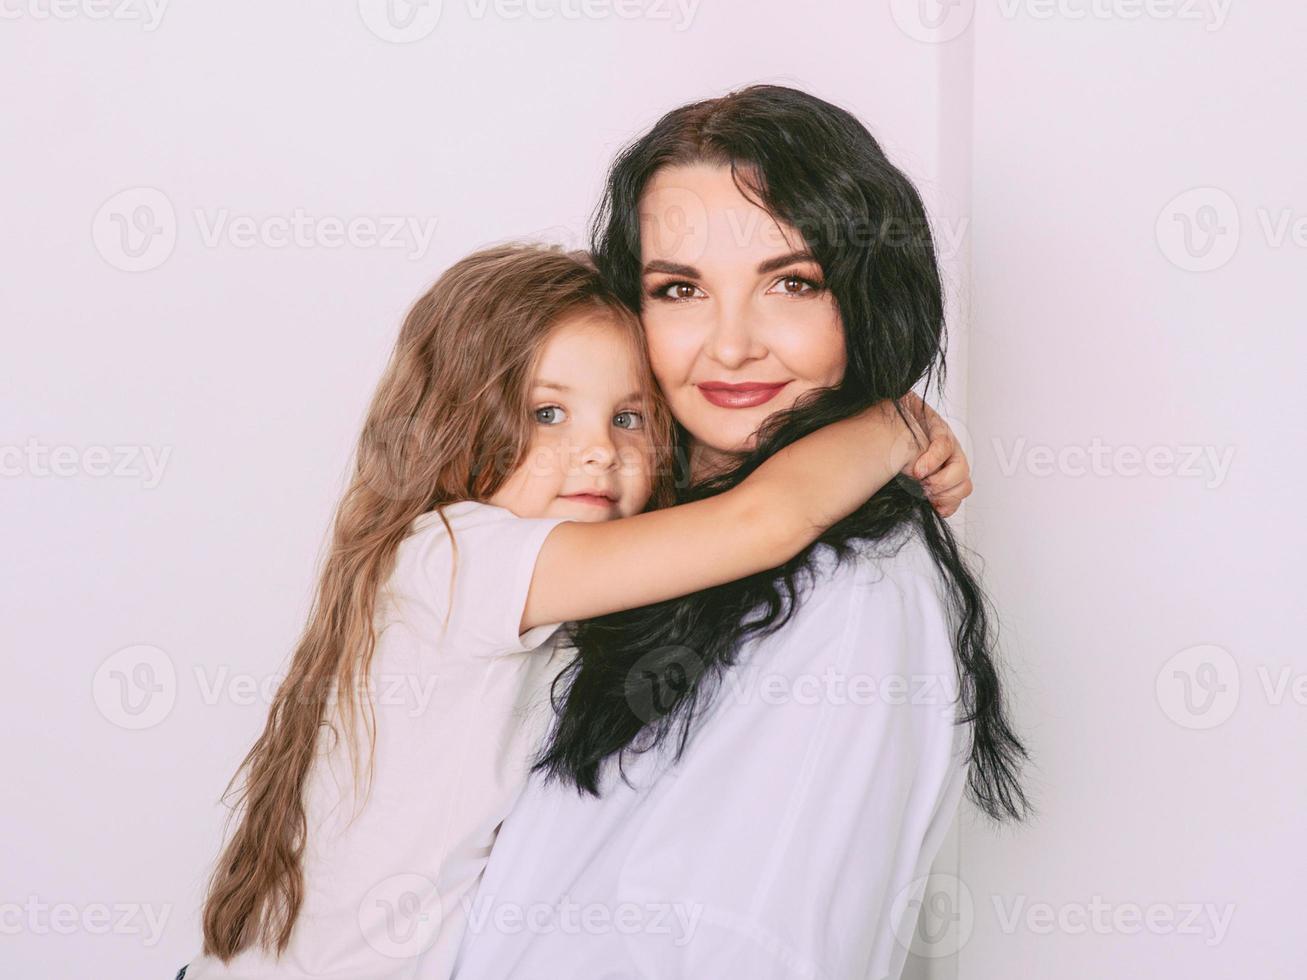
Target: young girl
pixel 512 475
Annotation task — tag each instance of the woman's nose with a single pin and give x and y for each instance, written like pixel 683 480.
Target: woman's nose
pixel 731 341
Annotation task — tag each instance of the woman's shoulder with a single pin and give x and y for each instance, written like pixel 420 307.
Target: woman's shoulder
pixel 902 560
pixel 889 599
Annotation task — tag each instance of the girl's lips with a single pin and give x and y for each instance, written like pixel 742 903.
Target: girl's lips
pixel 590 498
pixel 740 396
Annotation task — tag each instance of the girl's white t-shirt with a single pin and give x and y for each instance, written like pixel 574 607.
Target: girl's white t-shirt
pixel 459 712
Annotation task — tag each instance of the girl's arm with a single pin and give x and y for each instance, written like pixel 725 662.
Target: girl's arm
pixel 585 570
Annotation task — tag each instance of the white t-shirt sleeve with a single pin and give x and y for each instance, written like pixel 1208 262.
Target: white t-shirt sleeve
pixel 492 562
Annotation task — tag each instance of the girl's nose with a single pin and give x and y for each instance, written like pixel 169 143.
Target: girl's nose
pixel 599 451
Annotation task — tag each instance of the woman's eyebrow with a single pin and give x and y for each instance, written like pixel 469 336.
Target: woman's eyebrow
pixel 690 272
pixel 781 261
pixel 671 268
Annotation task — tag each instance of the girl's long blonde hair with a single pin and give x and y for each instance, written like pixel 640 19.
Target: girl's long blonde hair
pixel 450 421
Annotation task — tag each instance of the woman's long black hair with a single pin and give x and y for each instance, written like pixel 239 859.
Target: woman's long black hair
pixel 644 675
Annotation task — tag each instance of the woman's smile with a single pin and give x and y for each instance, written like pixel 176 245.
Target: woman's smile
pixel 744 395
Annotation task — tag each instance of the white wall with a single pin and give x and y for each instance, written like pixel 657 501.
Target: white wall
pixel 246 368
pixel 1124 586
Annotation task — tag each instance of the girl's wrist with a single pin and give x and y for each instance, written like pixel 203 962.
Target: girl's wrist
pixel 889 430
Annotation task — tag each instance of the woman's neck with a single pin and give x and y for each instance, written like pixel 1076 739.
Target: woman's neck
pixel 707 462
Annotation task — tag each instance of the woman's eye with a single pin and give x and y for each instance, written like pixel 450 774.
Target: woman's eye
pixel 553 415
pixel 634 420
pixel 677 291
pixel 794 285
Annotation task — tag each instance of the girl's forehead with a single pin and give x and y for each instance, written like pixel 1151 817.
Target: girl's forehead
pixel 590 351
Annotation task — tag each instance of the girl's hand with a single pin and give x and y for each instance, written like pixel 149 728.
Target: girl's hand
pixel 942 469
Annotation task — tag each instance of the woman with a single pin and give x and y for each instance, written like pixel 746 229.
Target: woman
pixel 766 769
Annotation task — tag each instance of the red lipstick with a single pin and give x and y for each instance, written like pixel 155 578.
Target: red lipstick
pixel 746 395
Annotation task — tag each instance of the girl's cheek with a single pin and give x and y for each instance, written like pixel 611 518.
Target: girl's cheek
pixel 634 458
pixel 541 460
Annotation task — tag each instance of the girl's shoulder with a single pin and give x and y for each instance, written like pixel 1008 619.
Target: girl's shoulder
pixel 483 536
pixel 470 564
pixel 459 514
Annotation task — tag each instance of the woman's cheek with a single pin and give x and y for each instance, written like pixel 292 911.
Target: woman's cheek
pixel 812 348
pixel 670 353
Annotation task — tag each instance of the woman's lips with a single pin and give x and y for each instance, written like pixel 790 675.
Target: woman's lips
pixel 740 396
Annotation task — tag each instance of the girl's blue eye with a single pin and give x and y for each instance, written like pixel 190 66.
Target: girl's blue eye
pixel 637 420
pixel 552 420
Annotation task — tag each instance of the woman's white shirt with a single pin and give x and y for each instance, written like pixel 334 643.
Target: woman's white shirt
pixel 794 836
pixel 458 712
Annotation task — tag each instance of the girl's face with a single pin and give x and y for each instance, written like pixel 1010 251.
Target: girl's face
pixel 590 454
pixel 731 300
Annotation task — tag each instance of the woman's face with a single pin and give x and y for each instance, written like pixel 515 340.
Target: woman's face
pixel 732 300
